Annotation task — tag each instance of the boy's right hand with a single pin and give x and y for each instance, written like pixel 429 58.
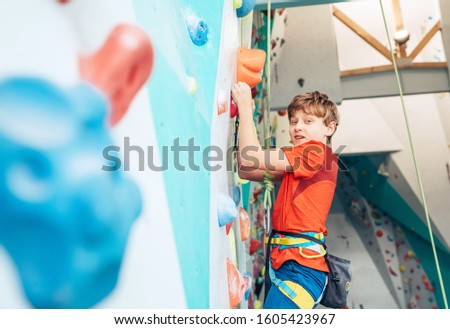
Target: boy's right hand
pixel 242 96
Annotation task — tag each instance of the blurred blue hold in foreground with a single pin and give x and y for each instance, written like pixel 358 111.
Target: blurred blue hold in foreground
pixel 64 221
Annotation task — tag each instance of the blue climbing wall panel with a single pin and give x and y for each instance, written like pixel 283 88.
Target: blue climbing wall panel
pixel 183 112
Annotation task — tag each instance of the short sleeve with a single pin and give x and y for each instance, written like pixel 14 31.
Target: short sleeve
pixel 306 159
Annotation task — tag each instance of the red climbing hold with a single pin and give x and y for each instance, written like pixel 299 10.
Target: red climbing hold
pixel 121 66
pixel 254 245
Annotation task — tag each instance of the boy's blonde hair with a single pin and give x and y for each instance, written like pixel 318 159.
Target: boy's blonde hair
pixel 317 104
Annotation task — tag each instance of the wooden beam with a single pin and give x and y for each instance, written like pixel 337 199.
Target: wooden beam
pixel 427 37
pixel 366 36
pixel 390 67
pixel 398 18
pixel 366 70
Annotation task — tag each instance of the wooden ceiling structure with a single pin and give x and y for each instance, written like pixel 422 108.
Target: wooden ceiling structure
pixel 376 81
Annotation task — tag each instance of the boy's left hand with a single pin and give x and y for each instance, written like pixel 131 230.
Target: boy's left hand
pixel 242 96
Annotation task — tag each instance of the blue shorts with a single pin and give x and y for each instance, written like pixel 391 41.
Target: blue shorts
pixel 308 283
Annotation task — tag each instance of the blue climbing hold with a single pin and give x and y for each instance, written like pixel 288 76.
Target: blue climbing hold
pixel 246 8
pixel 198 30
pixel 226 209
pixel 248 278
pixel 64 221
pixel 236 195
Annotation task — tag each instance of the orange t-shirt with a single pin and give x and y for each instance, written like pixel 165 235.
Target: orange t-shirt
pixel 304 199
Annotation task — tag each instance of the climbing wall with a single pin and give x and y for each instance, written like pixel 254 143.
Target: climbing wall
pixel 145 79
pixel 432 155
pixel 389 248
pixel 107 124
pixel 65 222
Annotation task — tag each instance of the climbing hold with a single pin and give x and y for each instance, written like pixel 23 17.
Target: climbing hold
pixel 191 85
pixel 250 63
pixel 236 195
pixel 254 91
pixel 375 214
pixel 232 246
pixel 246 7
pixel 226 209
pixel 244 222
pixel 260 215
pixel 257 192
pixel 282 113
pixel 198 30
pixel 221 102
pixel 379 233
pixel 237 4
pixel 251 306
pixel 233 108
pixel 402 268
pixel 236 284
pixel 248 278
pixel 120 67
pixel 301 82
pixel 257 304
pixel 241 181
pixel 63 220
pixel 392 271
pixel 254 245
pixel 228 227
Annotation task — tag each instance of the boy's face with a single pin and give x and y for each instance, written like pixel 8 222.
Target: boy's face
pixel 306 127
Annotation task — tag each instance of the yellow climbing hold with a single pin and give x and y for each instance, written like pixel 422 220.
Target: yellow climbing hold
pixel 237 4
pixel 191 85
pixel 242 181
pixel 402 268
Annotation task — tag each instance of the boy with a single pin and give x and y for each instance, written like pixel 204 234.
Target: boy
pixel 308 172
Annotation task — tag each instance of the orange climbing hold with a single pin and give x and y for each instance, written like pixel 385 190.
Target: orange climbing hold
pixel 250 63
pixel 244 222
pixel 236 284
pixel 120 68
pixel 221 102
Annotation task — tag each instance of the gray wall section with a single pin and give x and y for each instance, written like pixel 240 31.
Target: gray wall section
pixel 309 53
pixel 381 84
